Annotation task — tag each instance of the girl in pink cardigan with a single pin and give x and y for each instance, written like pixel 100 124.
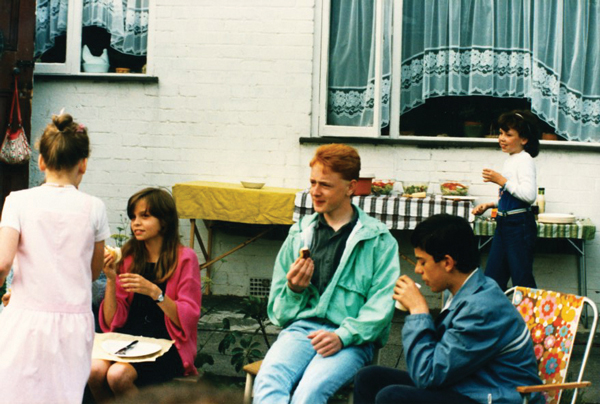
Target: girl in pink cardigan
pixel 155 293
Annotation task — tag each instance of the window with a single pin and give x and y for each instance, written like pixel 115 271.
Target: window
pixel 92 36
pixel 379 61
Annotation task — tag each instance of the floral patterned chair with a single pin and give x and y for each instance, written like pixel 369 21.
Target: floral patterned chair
pixel 552 319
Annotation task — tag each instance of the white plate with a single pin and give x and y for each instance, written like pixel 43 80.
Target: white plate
pixel 140 349
pixel 556 218
pixel 459 198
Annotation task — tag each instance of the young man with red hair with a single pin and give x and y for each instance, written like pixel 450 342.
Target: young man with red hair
pixel 335 306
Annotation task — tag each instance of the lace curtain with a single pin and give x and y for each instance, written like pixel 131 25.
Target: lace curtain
pixel 544 51
pixel 351 81
pixel 125 20
pixel 51 21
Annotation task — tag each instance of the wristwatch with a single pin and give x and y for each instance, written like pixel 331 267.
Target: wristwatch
pixel 160 298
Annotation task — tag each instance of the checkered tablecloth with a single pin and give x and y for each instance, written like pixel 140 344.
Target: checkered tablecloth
pixel 582 229
pixel 397 212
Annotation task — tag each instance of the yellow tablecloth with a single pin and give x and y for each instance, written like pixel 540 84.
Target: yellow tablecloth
pixel 234 203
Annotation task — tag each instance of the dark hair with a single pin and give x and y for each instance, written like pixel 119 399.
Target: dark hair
pixel 339 158
pixel 64 143
pixel 444 234
pixel 526 124
pixel 161 205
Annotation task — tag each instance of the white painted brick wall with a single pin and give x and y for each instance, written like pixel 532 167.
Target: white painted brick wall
pixel 233 98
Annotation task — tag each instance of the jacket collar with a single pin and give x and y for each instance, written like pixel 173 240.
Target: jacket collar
pixel 366 227
pixel 471 285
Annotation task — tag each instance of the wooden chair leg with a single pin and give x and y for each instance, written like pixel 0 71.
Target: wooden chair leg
pixel 248 388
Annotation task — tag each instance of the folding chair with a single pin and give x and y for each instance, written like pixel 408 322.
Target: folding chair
pixel 252 369
pixel 552 319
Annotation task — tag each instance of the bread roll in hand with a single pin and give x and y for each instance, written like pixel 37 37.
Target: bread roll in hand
pixel 114 251
pixel 304 252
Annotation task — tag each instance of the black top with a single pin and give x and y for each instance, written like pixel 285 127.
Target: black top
pixel 145 318
pixel 327 249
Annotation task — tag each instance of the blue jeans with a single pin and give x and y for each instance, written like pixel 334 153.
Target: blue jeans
pixel 293 362
pixel 511 254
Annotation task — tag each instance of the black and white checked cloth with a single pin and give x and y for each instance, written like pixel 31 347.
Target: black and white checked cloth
pixel 397 212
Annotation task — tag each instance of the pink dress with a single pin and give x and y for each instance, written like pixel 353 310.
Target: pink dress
pixel 47 330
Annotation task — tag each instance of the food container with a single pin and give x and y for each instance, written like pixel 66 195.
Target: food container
pixel 454 188
pixel 415 189
pixel 382 187
pixel 363 186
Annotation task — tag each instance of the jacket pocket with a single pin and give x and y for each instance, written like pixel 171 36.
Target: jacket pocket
pixel 349 296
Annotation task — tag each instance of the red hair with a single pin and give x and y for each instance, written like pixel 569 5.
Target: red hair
pixel 339 158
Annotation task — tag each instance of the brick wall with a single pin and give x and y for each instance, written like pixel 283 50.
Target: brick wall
pixel 234 96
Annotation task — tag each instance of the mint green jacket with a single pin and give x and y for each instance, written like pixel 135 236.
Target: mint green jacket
pixel 359 296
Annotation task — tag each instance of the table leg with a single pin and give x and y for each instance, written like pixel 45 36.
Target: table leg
pixel 192 228
pixel 579 246
pixel 208 263
pixel 194 232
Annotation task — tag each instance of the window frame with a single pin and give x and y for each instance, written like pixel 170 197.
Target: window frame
pixel 72 65
pixel 320 75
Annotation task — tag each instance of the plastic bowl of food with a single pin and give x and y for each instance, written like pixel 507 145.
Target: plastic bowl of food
pixel 382 187
pixel 454 188
pixel 415 189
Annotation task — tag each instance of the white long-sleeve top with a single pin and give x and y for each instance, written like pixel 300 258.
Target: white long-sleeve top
pixel 519 171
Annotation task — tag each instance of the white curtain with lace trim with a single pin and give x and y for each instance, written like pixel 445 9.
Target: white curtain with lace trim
pixel 51 21
pixel 351 81
pixel 546 51
pixel 125 20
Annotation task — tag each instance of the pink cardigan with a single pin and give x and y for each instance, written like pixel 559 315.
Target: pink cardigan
pixel 184 288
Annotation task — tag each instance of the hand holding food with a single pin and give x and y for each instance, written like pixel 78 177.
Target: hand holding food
pixel 300 274
pixel 110 268
pixel 406 292
pixel 115 252
pixel 304 252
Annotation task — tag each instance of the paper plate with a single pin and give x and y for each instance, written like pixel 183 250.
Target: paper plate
pixel 560 218
pixel 140 349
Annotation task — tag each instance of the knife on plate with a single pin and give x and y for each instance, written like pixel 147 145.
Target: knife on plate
pixel 126 348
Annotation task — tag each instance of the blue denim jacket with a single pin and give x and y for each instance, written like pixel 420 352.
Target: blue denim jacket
pixel 479 346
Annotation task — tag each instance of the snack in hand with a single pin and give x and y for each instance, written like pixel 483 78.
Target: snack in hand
pixel 114 251
pixel 304 252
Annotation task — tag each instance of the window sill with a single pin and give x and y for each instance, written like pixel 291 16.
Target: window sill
pixel 441 143
pixel 99 77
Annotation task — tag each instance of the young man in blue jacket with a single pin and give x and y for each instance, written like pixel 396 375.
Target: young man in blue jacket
pixel 478 350
pixel 335 306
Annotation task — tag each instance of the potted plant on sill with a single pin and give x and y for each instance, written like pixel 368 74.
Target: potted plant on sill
pixel 472 124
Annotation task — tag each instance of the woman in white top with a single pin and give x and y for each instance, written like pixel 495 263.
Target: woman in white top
pixel 55 235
